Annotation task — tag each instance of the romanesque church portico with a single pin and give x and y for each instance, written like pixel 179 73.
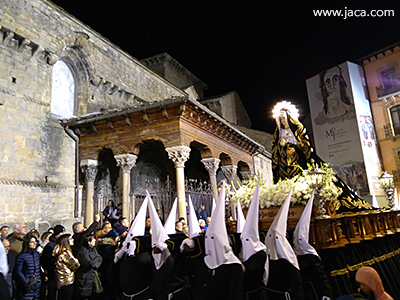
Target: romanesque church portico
pixel 174 127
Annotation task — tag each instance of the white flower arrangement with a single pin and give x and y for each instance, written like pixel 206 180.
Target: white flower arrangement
pixel 274 195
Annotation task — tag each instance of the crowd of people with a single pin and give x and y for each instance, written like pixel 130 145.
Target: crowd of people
pixel 202 260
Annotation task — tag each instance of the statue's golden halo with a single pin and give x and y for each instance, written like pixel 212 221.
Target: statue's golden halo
pixel 285 105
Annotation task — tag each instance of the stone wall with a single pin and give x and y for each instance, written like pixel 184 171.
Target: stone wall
pixel 37 157
pixel 230 107
pixel 263 166
pixel 170 69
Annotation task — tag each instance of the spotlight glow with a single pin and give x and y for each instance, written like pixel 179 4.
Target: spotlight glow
pixel 285 105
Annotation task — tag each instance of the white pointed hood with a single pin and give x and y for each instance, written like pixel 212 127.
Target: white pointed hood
pixel 158 235
pixel 250 237
pixel 194 227
pixel 301 234
pixel 277 244
pixel 240 218
pixel 137 229
pixel 217 249
pixel 169 225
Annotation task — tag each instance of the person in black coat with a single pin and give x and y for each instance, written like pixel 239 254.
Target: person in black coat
pixel 80 232
pixel 253 252
pixel 135 270
pixel 313 274
pixel 164 280
pixel 108 210
pixel 106 247
pixel 223 282
pixel 47 262
pixel 252 277
pixel 90 261
pixel 277 287
pixel 28 267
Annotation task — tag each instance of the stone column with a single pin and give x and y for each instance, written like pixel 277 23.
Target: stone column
pixel 229 172
pixel 126 162
pixel 89 168
pixel 179 155
pixel 211 164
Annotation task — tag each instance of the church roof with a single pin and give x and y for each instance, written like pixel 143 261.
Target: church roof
pixel 261 137
pixel 165 57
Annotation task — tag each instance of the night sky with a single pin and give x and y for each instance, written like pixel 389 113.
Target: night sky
pixel 264 50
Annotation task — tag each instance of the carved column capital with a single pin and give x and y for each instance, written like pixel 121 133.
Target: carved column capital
pixel 211 164
pixel 126 162
pixel 179 155
pixel 89 168
pixel 246 175
pixel 229 171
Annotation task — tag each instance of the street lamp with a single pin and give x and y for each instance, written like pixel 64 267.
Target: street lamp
pixel 386 183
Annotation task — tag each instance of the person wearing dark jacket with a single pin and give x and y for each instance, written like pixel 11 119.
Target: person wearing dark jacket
pixel 106 247
pixel 108 210
pixel 253 251
pixel 79 232
pixel 90 261
pixel 122 226
pixel 48 263
pixel 135 270
pixel 284 278
pixel 27 268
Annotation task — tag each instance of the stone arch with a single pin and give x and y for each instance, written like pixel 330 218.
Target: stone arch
pixel 225 159
pixel 203 149
pixel 63 91
pixel 243 167
pixel 107 180
pixel 152 172
pixel 243 170
pixel 152 155
pixel 79 63
pixel 194 168
pixel 136 148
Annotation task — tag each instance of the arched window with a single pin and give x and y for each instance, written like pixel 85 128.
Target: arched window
pixel 62 91
pixel 395 115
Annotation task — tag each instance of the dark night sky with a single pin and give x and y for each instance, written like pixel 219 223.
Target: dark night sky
pixel 264 51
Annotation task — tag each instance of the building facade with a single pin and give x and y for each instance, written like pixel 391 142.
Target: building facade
pixel 382 74
pixel 53 67
pixel 354 112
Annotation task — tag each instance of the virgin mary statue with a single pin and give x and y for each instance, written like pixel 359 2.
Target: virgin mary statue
pixel 291 149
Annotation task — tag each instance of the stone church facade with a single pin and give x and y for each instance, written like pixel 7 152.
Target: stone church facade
pixel 43 178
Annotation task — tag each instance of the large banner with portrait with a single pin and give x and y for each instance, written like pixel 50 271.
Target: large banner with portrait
pixel 343 129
